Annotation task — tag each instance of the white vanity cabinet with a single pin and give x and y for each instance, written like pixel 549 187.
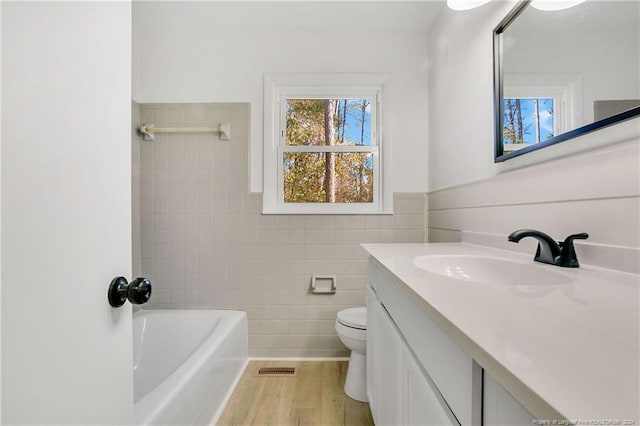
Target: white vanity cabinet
pixel 475 335
pixel 416 374
pixel 422 403
pixel 399 392
pixel 385 366
pixel 501 408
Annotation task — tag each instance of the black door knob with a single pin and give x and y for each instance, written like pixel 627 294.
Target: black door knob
pixel 137 291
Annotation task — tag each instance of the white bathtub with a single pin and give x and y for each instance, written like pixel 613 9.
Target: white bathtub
pixel 186 364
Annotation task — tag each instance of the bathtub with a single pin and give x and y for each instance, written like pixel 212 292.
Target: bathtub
pixel 186 364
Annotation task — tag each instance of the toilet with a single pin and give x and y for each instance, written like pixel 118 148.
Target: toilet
pixel 351 326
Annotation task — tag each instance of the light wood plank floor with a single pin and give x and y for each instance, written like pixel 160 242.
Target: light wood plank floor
pixel 315 396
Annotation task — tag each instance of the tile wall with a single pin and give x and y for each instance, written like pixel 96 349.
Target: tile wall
pixel 205 244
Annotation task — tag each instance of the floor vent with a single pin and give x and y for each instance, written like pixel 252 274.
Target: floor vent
pixel 276 371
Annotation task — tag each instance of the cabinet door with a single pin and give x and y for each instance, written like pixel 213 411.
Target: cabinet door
pixel 457 376
pixel 423 404
pixel 501 408
pixel 387 370
pixel 372 350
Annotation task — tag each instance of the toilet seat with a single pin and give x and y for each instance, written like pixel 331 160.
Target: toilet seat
pixel 353 318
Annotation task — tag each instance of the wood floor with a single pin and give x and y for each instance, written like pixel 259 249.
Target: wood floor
pixel 315 396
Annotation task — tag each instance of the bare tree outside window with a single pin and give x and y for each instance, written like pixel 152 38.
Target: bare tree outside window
pixel 527 121
pixel 328 177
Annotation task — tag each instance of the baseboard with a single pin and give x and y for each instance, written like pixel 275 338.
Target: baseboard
pixel 298 359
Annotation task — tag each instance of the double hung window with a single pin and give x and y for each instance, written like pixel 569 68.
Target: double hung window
pixel 323 153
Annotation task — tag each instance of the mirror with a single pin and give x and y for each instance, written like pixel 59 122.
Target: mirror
pixel 561 74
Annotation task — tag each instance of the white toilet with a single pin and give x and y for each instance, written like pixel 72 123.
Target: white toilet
pixel 351 326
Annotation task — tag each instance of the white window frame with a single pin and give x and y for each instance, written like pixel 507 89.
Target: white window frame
pixel 278 88
pixel 559 104
pixel 565 89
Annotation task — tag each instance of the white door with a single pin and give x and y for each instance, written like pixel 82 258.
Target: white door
pixel 66 212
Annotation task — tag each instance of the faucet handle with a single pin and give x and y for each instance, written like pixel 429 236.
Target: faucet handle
pixel 569 240
pixel 568 257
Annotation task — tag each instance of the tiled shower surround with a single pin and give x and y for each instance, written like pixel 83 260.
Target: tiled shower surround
pixel 205 244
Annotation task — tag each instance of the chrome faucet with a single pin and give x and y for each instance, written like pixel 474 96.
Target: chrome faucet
pixel 561 253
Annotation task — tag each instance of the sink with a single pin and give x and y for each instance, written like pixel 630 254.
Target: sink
pixel 490 270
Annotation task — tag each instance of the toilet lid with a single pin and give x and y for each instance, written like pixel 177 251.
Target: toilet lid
pixel 353 317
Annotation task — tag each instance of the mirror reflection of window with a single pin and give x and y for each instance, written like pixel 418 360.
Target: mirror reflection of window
pixel 585 58
pixel 599 41
pixel 527 121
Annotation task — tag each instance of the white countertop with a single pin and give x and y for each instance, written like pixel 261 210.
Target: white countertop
pixel 571 346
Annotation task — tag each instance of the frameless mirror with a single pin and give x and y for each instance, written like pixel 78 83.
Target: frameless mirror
pixel 560 74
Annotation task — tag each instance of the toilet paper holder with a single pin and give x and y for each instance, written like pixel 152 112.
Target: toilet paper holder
pixel 323 284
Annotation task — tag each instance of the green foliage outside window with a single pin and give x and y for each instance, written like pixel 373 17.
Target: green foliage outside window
pixel 333 177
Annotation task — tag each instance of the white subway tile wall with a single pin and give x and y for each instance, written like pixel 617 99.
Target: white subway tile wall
pixel 205 243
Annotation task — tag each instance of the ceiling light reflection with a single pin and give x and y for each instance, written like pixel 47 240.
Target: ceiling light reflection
pixel 465 4
pixel 550 5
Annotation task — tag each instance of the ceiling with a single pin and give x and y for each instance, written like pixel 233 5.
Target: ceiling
pixel 588 17
pixel 397 15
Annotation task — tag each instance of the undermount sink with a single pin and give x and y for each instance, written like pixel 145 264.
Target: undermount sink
pixel 490 270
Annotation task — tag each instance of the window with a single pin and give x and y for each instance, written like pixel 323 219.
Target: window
pixel 323 147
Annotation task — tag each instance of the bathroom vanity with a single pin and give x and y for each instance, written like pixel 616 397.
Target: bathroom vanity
pixel 467 334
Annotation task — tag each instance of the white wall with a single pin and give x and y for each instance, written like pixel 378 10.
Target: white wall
pixel 461 94
pixel 461 102
pixel 588 184
pixel 220 51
